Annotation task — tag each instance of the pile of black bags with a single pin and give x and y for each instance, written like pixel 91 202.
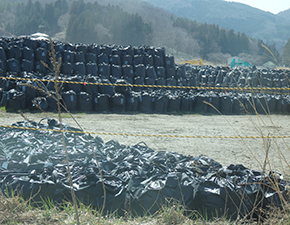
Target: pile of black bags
pixel 137 179
pixel 114 66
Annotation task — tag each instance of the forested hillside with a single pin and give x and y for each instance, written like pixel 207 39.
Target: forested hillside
pixel 130 22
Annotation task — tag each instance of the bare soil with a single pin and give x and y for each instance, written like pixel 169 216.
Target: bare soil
pixel 249 152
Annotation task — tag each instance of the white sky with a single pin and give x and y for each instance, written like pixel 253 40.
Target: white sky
pixel 273 6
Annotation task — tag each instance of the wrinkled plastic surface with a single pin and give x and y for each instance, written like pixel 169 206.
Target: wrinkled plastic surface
pixel 137 179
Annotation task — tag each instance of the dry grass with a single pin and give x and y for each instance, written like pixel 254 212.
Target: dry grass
pixel 14 210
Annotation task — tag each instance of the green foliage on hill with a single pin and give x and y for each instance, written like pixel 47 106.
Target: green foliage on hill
pixel 91 22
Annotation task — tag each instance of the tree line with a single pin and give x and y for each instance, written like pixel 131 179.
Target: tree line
pixel 91 22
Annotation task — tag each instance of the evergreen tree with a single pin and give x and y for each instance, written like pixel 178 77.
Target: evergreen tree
pixel 285 55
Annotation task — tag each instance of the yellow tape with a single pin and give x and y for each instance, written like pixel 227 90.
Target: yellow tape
pixel 145 135
pixel 152 86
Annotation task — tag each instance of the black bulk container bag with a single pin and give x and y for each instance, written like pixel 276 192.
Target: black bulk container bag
pixel 3 44
pixel 116 71
pixel 139 50
pixel 13 66
pixel 128 50
pixel 199 106
pixel 170 72
pixel 122 89
pixel 32 44
pixel 181 82
pixel 3 66
pixel 2 73
pixel 85 102
pixel 74 83
pixel 284 82
pixel 40 68
pixel 15 100
pixel 238 105
pixel 2 97
pixel 169 62
pixel 115 60
pixel 107 88
pixel 158 61
pixel 106 49
pixel 140 71
pixel 58 47
pixel 272 103
pixel 27 66
pixel 101 103
pixel 214 100
pixel 138 59
pixel 40 103
pixel 150 72
pixel 171 81
pixel 191 82
pixel 68 56
pixel 219 79
pixel 117 50
pixel 45 44
pixel 2 54
pixel 276 82
pixel 180 72
pixel 173 102
pixel 28 54
pixel 261 103
pixel 150 50
pixel 91 57
pixel 126 60
pixel 29 88
pixel 280 104
pixel 80 57
pixel 226 104
pixel 138 81
pixel 132 101
pixel 160 103
pixel 40 54
pixel 14 51
pixel 52 103
pixel 104 70
pixel 252 82
pixel 66 68
pixel 146 103
pixel 8 84
pixel 149 81
pixel 160 51
pixel 248 103
pixel 160 81
pixel 127 71
pixel 70 100
pixel 80 68
pixel 68 47
pixel 81 48
pixel 186 102
pixel 117 103
pixel 95 49
pixel 103 59
pixel 148 60
pixel 92 68
pixel 90 85
pixel 112 79
pixel 160 72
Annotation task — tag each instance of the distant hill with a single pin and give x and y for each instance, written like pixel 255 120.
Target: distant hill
pixel 255 23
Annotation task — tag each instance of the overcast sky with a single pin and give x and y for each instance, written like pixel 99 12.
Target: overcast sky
pixel 273 6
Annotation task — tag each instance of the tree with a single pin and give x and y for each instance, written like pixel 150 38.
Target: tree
pixel 285 55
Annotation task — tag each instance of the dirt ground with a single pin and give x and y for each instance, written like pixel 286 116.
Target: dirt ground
pixel 249 152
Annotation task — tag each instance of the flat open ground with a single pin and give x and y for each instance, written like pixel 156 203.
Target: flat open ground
pixel 249 152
